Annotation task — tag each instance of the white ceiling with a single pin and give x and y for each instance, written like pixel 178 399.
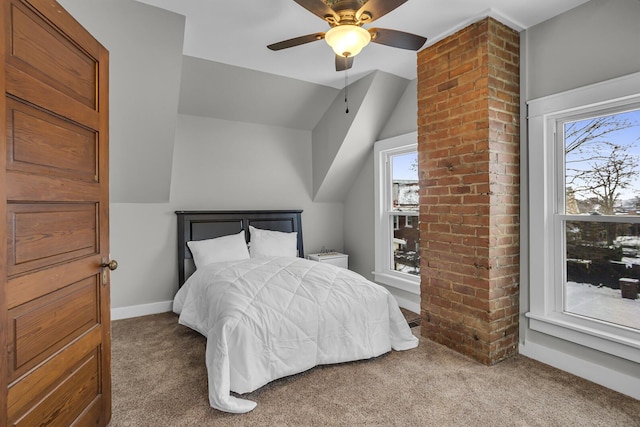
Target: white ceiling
pixel 236 32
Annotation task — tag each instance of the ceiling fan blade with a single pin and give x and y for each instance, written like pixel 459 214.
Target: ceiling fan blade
pixel 296 41
pixel 319 8
pixel 377 9
pixel 343 63
pixel 397 38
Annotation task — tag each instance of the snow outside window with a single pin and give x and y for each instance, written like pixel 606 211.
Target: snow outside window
pixel 585 216
pixel 397 207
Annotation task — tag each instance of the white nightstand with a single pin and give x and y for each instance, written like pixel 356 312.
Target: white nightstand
pixel 334 258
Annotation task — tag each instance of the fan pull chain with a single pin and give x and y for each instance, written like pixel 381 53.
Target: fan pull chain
pixel 346 84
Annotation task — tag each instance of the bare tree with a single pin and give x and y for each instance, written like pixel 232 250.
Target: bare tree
pixel 595 166
pixel 414 164
pixel 582 134
pixel 605 174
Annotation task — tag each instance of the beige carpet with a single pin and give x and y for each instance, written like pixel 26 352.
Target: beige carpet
pixel 159 379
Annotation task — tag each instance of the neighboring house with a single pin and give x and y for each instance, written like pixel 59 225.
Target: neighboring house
pixel 406 231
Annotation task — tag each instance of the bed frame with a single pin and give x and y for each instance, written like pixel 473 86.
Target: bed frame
pixel 201 225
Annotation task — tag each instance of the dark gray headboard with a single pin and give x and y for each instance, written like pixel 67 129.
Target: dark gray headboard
pixel 201 225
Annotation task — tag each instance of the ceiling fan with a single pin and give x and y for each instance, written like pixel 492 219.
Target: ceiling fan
pixel 346 35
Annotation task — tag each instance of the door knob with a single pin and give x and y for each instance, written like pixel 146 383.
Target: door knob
pixel 111 265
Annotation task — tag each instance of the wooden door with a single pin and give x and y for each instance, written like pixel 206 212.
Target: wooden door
pixel 55 324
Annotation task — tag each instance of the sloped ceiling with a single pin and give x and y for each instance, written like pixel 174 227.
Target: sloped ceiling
pixel 342 141
pixel 222 91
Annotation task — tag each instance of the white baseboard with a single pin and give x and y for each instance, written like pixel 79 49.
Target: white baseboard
pixel 141 310
pixel 408 304
pixel 598 374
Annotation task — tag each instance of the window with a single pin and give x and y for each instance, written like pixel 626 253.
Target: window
pixel 599 215
pixel 397 207
pixel 409 219
pixel 585 216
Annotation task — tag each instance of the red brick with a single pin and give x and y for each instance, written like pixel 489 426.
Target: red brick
pixel 468 142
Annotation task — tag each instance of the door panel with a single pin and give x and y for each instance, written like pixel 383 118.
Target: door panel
pixel 42 327
pixel 52 58
pixel 38 142
pixel 21 289
pixel 39 382
pixel 41 235
pixel 63 404
pixel 27 187
pixel 55 369
pixel 22 85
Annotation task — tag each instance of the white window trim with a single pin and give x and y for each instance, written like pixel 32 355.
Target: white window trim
pixel 383 197
pixel 545 311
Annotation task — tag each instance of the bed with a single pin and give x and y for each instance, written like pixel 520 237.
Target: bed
pixel 266 311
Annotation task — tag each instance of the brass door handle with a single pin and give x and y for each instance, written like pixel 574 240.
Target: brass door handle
pixel 112 265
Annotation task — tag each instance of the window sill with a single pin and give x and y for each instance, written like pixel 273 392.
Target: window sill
pixel 404 282
pixel 578 330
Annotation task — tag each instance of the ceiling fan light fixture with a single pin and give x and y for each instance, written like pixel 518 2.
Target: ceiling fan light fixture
pixel 347 39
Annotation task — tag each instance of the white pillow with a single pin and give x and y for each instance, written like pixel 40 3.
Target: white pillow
pixel 273 243
pixel 220 249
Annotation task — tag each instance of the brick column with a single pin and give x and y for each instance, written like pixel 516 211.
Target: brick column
pixel 468 144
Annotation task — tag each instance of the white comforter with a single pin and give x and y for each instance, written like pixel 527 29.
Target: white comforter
pixel 266 318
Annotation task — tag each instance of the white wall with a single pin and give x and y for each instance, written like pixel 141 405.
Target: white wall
pixel 144 242
pixel 359 216
pixel 405 115
pixel 217 165
pixel 220 164
pixel 342 141
pixel 145 62
pixel 223 164
pixel 594 42
pixel 359 209
pixel 162 162
pixel 243 165
pixel 251 96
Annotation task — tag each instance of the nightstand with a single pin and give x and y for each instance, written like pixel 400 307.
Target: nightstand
pixel 334 258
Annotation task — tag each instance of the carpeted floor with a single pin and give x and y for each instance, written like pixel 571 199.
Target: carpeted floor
pixel 159 379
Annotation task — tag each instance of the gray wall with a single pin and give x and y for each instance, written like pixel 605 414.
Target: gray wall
pixel 212 89
pixel 162 161
pixel 405 115
pixel 597 41
pixel 217 165
pixel 145 59
pixel 359 208
pixel 154 150
pixel 221 164
pixel 341 141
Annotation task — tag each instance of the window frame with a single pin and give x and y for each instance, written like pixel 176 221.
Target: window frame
pixel 547 255
pixel 408 221
pixel 383 272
